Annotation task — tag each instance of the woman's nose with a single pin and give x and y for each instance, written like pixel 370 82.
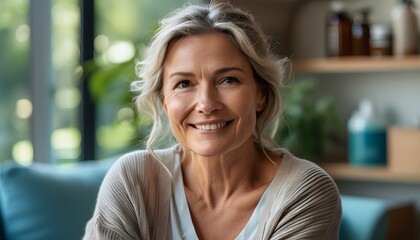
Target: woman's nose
pixel 208 100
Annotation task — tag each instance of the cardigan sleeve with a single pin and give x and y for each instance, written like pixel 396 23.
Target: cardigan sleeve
pixel 309 206
pixel 133 200
pixel 118 208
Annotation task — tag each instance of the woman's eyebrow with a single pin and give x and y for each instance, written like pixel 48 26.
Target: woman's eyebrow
pixel 227 69
pixel 182 74
pixel 217 72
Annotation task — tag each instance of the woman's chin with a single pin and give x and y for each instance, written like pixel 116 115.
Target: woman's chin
pixel 208 150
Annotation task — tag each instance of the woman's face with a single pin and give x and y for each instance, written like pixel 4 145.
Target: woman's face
pixel 210 94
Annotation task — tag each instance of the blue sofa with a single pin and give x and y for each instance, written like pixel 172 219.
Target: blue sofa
pixel 44 202
pixel 48 202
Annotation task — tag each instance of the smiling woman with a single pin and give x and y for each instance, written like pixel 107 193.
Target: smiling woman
pixel 209 71
pixel 203 78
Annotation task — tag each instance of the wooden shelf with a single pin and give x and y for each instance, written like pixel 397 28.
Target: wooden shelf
pixel 343 171
pixel 357 64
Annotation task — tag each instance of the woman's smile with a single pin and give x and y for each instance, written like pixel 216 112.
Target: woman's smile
pixel 212 126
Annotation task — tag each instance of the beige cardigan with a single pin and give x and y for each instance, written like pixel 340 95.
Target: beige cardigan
pixel 134 200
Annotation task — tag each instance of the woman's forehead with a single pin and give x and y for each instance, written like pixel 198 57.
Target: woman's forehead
pixel 211 49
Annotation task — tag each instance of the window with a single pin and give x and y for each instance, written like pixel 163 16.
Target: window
pixel 66 97
pixel 15 103
pixel 122 31
pixel 121 36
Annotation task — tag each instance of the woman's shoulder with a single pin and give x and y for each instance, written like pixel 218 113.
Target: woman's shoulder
pixel 137 188
pixel 141 162
pixel 304 177
pixel 302 169
pixel 310 198
pixel 146 157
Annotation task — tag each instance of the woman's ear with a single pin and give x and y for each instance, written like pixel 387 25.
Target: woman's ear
pixel 261 99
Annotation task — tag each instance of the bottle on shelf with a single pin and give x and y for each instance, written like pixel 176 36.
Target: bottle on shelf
pixel 360 33
pixel 367 136
pixel 380 40
pixel 338 31
pixel 404 28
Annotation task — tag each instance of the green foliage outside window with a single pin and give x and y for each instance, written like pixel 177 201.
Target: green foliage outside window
pixel 15 106
pixel 122 35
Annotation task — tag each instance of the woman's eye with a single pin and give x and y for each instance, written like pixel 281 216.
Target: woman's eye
pixel 229 80
pixel 183 84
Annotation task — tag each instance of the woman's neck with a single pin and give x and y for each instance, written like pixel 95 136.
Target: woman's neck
pixel 216 179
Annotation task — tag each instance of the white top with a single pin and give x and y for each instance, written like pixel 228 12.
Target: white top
pixel 182 226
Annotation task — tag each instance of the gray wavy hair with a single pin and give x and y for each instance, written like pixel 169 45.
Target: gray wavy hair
pixel 269 70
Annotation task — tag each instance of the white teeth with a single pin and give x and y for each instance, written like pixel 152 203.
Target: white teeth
pixel 209 127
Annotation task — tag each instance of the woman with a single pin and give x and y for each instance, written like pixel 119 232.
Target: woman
pixel 210 73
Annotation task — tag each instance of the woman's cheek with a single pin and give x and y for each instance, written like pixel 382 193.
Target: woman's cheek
pixel 178 105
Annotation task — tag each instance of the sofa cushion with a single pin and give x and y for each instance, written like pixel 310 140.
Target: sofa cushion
pixel 366 218
pixel 363 218
pixel 45 201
